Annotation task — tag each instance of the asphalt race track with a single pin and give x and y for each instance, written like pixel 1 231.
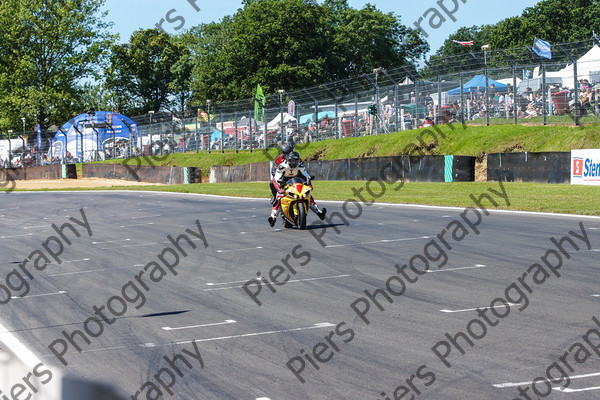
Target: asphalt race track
pixel 315 320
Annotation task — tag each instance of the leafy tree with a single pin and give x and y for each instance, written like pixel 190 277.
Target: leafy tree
pixel 46 48
pixel 141 72
pixel 291 44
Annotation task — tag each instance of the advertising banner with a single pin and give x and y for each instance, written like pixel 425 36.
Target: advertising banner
pixel 585 167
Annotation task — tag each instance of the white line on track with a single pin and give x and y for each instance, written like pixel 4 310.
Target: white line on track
pixel 569 390
pixel 40 295
pixel 129 245
pixel 129 226
pixel 37 227
pixel 76 273
pixel 12 236
pixel 72 261
pixel 147 216
pixel 112 241
pixel 248 248
pixel 596 295
pixel 315 326
pixel 89 271
pixel 263 398
pixel 474 309
pixel 226 322
pixel 515 384
pixel 290 281
pixel 237 218
pixel 457 269
pixel 263 231
pixel 379 241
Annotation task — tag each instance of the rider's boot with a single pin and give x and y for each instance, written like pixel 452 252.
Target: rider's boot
pixel 316 210
pixel 273 218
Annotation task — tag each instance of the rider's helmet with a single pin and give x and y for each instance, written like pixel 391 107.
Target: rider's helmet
pixel 293 159
pixel 287 148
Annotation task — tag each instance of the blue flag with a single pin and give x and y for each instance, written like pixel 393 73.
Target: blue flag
pixel 542 48
pixel 38 129
pixel 526 74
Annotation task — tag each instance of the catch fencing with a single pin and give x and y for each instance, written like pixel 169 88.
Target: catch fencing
pixel 489 87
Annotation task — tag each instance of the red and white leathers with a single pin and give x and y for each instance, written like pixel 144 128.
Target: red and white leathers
pixel 284 173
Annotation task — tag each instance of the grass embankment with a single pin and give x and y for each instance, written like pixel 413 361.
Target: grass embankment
pixel 472 140
pixel 572 199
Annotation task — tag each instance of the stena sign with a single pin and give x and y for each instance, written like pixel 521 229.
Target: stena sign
pixel 585 167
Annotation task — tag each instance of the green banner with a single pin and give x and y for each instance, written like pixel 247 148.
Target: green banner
pixel 259 105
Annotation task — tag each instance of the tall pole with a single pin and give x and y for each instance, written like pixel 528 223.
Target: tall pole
pixel 485 49
pixel 209 130
pixel 281 91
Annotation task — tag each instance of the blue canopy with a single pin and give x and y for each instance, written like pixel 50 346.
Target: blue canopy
pixel 479 80
pixel 89 134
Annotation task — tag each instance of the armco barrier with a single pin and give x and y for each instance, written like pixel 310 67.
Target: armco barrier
pixel 150 174
pixel 543 167
pixel 408 168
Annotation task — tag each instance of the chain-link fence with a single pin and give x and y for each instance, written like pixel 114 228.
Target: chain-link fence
pixel 509 86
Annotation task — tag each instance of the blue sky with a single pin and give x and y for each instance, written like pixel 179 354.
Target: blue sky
pixel 130 15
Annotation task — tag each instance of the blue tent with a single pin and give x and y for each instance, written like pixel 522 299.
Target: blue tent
pixel 479 80
pixel 89 135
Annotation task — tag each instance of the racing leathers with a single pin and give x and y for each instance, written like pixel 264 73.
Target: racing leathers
pixel 284 173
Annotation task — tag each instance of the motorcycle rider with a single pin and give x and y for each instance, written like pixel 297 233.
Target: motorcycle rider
pixel 288 169
pixel 286 148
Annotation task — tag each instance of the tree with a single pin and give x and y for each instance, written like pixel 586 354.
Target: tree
pixel 367 38
pixel 47 47
pixel 141 71
pixel 291 44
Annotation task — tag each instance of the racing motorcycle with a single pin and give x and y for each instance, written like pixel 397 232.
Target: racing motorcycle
pixel 295 203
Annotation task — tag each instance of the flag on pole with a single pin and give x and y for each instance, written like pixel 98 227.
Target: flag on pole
pixel 203 116
pixel 38 129
pixel 259 105
pixel 466 44
pixel 542 48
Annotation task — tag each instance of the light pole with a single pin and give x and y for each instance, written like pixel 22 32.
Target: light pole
pixel 281 92
pixel 208 101
pixel 23 153
pixel 485 49
pixel 150 113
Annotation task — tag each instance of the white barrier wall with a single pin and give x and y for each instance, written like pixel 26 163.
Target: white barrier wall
pixel 585 167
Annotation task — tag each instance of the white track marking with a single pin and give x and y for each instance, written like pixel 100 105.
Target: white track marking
pixel 129 226
pixel 40 295
pixel 12 236
pixel 72 261
pixel 457 269
pixel 129 245
pixel 315 326
pixel 569 390
pixel 147 216
pixel 379 241
pixel 76 273
pixel 237 218
pixel 515 384
pixel 290 281
pixel 246 249
pixel 112 241
pixel 37 227
pixel 226 322
pixel 474 309
pixel 274 230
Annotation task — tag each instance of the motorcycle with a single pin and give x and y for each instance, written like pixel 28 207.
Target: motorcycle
pixel 295 203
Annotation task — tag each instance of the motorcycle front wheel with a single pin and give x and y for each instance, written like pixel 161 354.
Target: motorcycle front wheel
pixel 301 217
